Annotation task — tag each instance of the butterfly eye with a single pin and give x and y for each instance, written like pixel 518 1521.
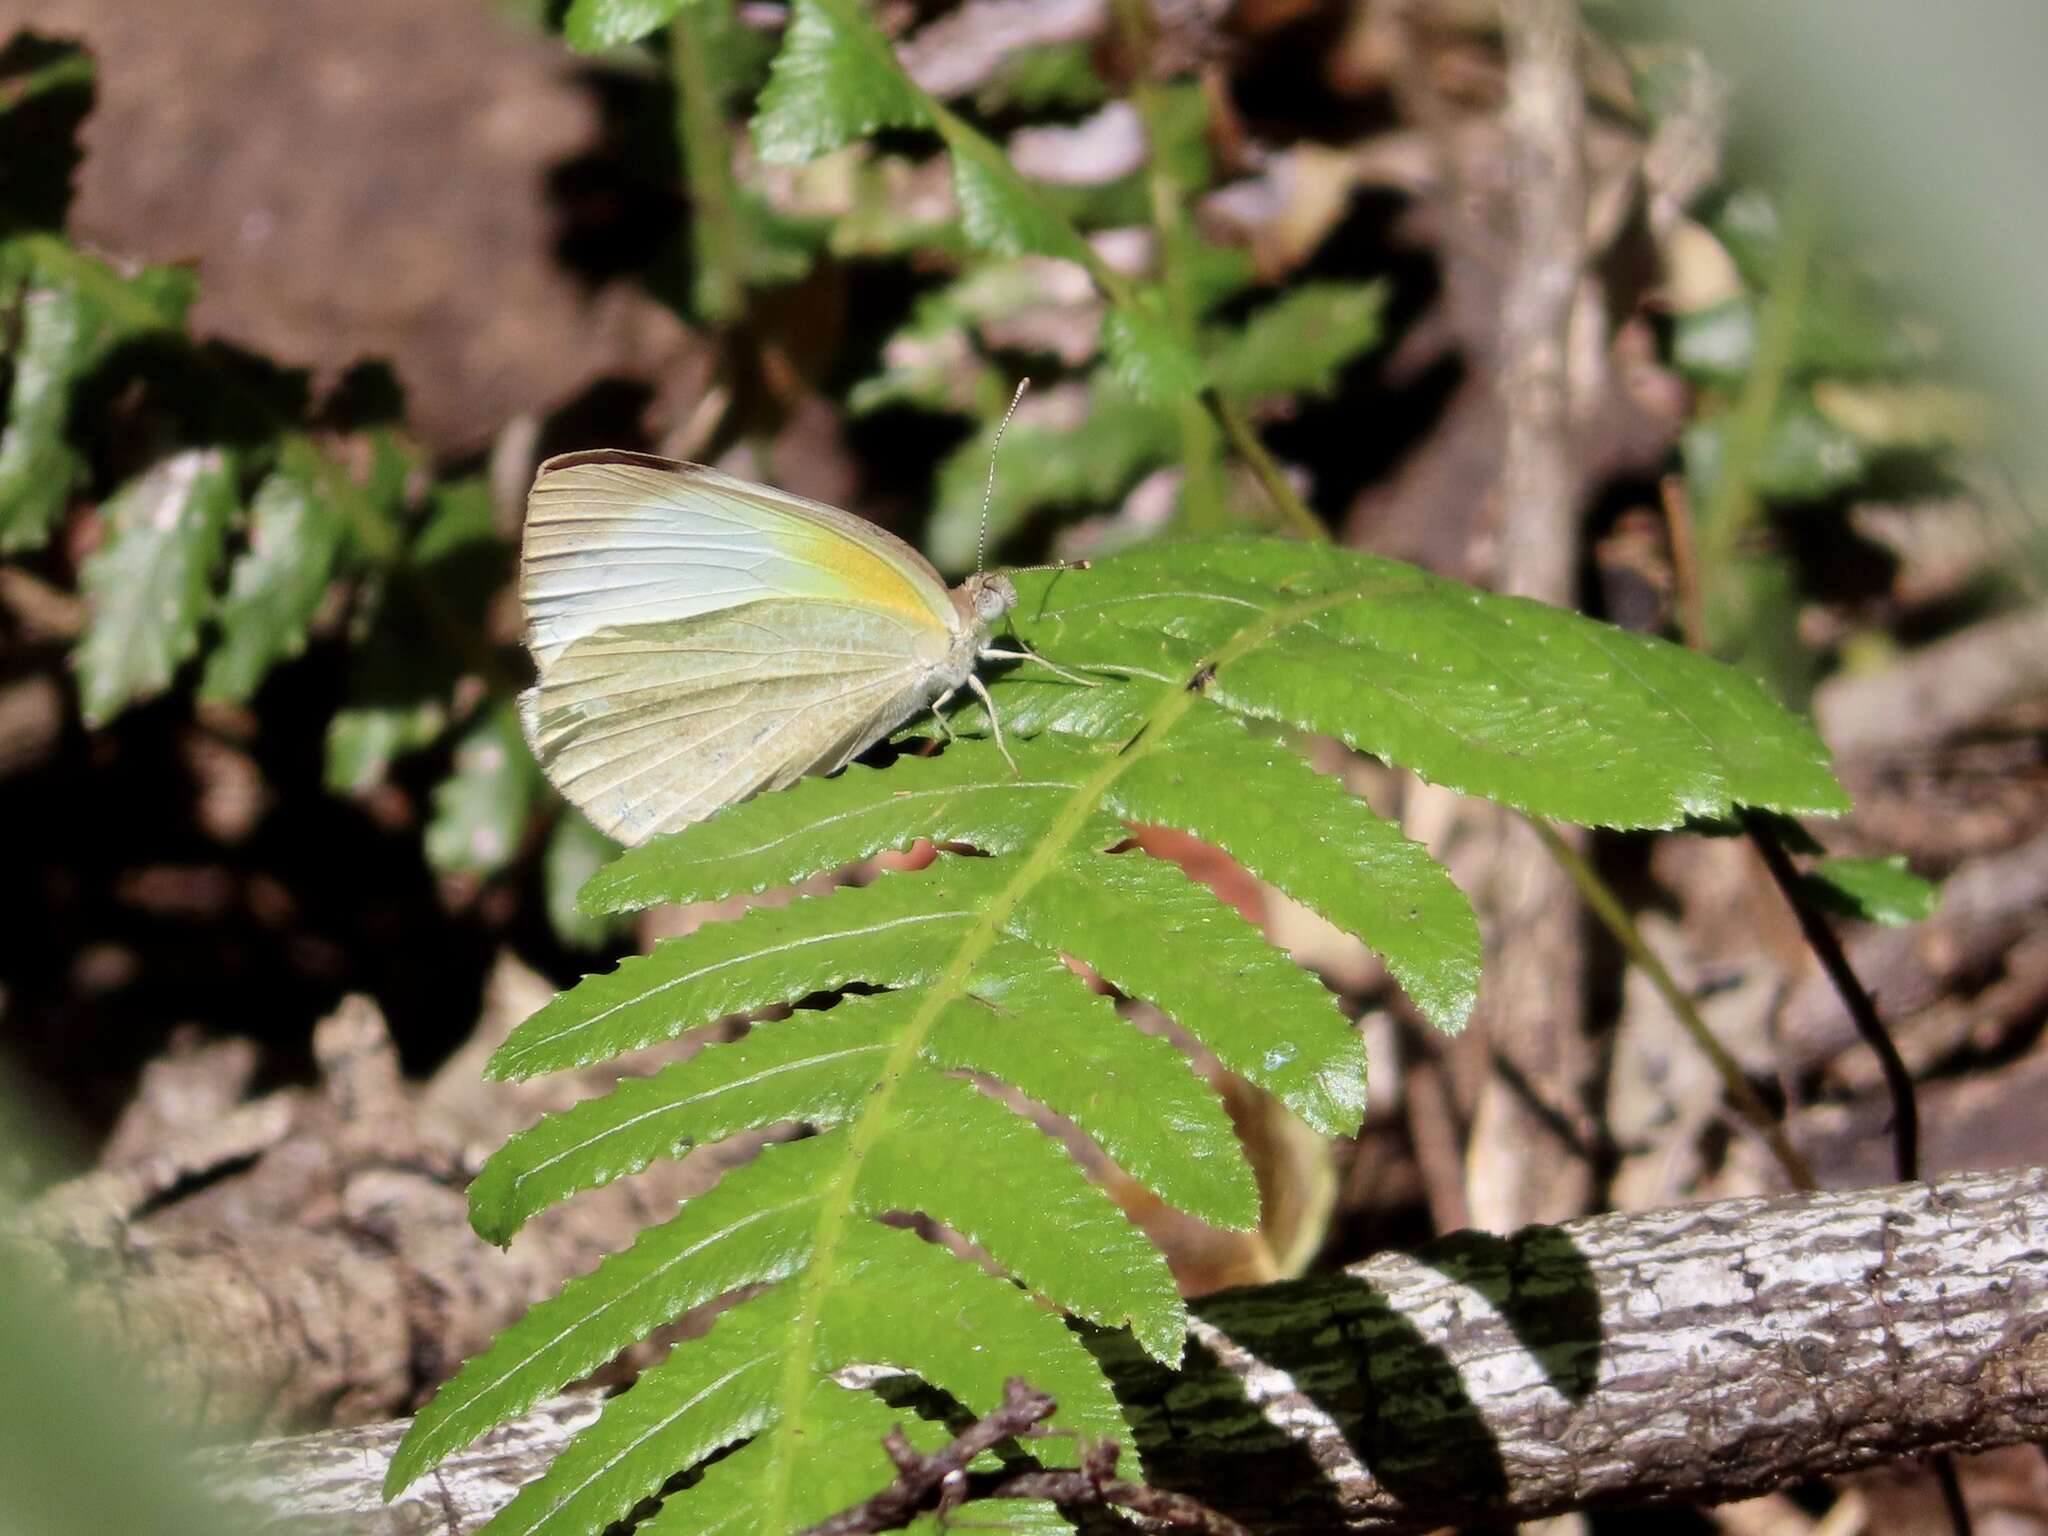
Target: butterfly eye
pixel 993 597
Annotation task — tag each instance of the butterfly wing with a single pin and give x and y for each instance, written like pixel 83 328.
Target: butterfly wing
pixel 700 639
pixel 615 539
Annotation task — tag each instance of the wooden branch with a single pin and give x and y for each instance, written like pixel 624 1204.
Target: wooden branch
pixel 1545 118
pixel 334 1279
pixel 1692 1355
pixel 1936 692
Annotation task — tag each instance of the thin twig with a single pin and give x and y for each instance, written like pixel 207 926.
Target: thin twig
pixel 1613 916
pixel 1292 509
pixel 1544 120
pixel 1685 560
pixel 939 1482
pixel 922 1480
pixel 1732 501
pixel 705 150
pixel 1821 939
pixel 1952 1494
pixel 1095 1484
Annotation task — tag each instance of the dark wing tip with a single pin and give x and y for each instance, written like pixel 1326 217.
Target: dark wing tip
pixel 600 456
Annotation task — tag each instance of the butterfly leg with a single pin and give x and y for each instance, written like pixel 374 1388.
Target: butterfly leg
pixel 995 723
pixel 938 704
pixel 990 653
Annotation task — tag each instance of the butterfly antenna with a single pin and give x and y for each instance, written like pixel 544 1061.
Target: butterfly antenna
pixel 988 492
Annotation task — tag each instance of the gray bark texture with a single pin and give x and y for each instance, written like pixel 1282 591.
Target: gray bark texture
pixel 1692 1355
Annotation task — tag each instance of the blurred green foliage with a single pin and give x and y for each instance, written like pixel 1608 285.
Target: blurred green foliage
pixel 80 1454
pixel 228 529
pixel 221 521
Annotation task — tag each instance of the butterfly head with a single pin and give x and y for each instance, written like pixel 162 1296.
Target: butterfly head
pixel 991 596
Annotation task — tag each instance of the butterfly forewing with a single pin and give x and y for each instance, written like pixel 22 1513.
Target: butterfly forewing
pixel 617 539
pixel 700 639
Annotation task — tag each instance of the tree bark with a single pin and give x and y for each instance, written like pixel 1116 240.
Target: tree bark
pixel 1692 1355
pixel 334 1279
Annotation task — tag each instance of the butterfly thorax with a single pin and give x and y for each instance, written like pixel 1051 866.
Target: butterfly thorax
pixel 981 601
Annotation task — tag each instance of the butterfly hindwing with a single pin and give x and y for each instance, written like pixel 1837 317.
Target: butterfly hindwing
pixel 650 727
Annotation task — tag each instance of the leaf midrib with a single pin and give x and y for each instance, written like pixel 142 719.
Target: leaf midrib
pixel 679 1105
pixel 632 1292
pixel 836 1203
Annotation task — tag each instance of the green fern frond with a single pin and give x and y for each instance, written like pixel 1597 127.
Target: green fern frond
pixel 1206 653
pixel 834 80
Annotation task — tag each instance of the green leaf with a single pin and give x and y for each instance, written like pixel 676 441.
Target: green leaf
pixel 150 584
pixel 1718 342
pixel 1883 891
pixel 1062 1041
pixel 1028 1025
pixel 944 1145
pixel 482 808
pixel 1753 616
pixel 459 535
pixel 296 536
pixel 1804 456
pixel 73 311
pixel 821 824
pixel 393 709
pixel 38 465
pixel 1266 1019
pixel 1836 332
pixel 576 851
pixel 1299 344
pixel 1051 78
pixel 753 1227
pixel 835 80
pixel 890 933
pixel 1197 651
pixel 1530 705
pixel 999 210
pixel 1323 847
pixel 1148 357
pixel 592 26
pixel 732 1384
pixel 403 674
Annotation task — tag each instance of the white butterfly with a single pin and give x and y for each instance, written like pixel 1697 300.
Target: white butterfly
pixel 700 638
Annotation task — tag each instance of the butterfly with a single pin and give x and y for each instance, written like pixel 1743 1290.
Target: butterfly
pixel 700 638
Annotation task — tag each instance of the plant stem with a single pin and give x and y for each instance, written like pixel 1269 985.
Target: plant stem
pixel 1202 500
pixel 1732 504
pixel 1855 997
pixel 1898 1081
pixel 963 139
pixel 719 292
pixel 1606 906
pixel 1294 512
pixel 1685 561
